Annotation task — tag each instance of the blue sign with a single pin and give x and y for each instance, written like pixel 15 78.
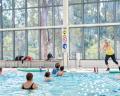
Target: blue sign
pixel 64 46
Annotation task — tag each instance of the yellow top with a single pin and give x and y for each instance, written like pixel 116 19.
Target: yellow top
pixel 109 51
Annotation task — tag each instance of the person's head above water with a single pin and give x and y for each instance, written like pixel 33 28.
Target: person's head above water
pixel 57 65
pixel 61 68
pixel 47 74
pixel 29 76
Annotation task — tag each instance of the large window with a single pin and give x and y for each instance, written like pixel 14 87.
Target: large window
pixel 91 43
pixel 107 12
pixel 93 11
pixel 32 17
pixel 58 15
pixel 47 43
pixel 117 11
pixel 20 18
pixel 58 43
pixel 117 43
pixel 7 19
pixel 75 14
pixel 85 42
pixel 20 46
pixel 32 3
pixel 7 45
pixel 75 41
pixel 7 4
pixel 90 13
pixel 1 40
pixel 39 42
pixel 19 3
pixel 46 16
pixel 33 43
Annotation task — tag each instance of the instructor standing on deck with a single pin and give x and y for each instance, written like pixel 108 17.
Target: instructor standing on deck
pixel 109 53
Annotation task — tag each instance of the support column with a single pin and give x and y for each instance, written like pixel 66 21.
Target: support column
pixel 65 34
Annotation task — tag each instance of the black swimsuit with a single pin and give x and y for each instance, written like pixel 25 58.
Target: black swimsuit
pixel 31 87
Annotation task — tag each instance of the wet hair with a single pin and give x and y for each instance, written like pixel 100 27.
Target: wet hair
pixel 0 69
pixel 47 74
pixel 61 68
pixel 49 56
pixel 29 76
pixel 57 65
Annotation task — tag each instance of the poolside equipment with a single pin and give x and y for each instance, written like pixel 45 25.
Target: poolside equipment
pixel 31 69
pixel 114 71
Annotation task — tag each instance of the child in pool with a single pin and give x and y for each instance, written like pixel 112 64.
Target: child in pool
pixel 47 77
pixel 56 69
pixel 61 72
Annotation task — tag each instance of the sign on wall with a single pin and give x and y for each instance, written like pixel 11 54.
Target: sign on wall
pixel 64 39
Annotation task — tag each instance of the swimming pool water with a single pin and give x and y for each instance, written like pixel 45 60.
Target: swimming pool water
pixel 71 84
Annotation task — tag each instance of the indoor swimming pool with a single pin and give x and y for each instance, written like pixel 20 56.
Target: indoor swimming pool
pixel 71 84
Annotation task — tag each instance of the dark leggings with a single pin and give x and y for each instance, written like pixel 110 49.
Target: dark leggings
pixel 113 58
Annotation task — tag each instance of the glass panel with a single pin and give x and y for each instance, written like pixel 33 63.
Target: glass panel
pixel 108 0
pixel 117 11
pixel 19 3
pixel 58 15
pixel 7 4
pixel 32 3
pixel 90 13
pixel 20 18
pixel 86 1
pixel 33 44
pixel 58 2
pixel 75 41
pixel 7 45
pixel 47 43
pixel 7 19
pixel 75 14
pixel 75 1
pixel 118 42
pixel 91 43
pixel 0 14
pixel 1 42
pixel 106 33
pixel 58 44
pixel 46 2
pixel 0 4
pixel 106 12
pixel 33 17
pixel 20 47
pixel 46 16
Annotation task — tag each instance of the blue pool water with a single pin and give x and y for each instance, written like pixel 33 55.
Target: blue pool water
pixel 71 84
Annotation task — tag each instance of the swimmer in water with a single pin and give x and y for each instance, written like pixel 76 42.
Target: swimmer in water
pixel 47 77
pixel 29 84
pixel 61 72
